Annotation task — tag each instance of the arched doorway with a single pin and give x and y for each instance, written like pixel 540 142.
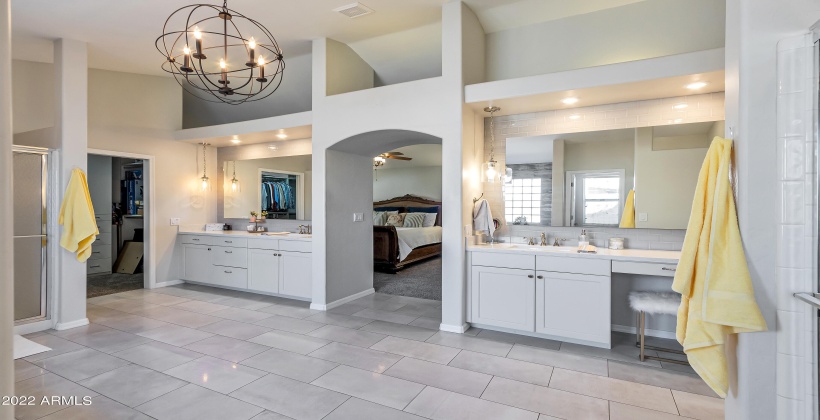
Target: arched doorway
pixel 348 196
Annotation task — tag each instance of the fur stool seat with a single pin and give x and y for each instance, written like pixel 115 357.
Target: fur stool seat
pixel 654 303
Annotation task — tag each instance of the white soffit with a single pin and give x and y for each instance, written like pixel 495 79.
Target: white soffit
pixel 263 130
pixel 652 78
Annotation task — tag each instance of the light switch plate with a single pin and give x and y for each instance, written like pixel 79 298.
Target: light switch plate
pixel 358 217
pixel 643 217
pixel 175 221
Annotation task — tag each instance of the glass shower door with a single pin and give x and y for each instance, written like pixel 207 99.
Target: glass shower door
pixel 30 173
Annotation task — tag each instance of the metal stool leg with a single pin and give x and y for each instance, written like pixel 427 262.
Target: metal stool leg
pixel 642 334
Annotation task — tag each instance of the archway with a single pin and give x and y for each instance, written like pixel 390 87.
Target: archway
pixel 349 192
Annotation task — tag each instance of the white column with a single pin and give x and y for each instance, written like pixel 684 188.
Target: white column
pixel 6 209
pixel 71 128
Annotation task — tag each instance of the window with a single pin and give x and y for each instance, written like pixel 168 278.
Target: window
pixel 596 198
pixel 522 201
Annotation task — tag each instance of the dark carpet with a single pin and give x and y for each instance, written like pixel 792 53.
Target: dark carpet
pixel 420 280
pixel 106 284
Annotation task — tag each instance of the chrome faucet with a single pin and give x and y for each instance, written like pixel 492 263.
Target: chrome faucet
pixel 557 241
pixel 543 238
pixel 530 241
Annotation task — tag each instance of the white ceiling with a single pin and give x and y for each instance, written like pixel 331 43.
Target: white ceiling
pixel 121 34
pixel 422 154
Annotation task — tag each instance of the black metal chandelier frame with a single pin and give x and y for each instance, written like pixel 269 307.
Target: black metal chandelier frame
pixel 189 72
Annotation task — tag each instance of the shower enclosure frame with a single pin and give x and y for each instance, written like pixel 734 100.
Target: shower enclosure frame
pixel 48 214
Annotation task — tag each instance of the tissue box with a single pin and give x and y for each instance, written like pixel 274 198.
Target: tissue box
pixel 210 227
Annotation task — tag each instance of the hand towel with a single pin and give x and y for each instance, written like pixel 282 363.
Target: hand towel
pixel 77 217
pixel 712 276
pixel 483 217
pixel 628 218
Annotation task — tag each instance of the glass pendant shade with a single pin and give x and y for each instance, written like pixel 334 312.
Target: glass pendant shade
pixel 491 172
pixel 205 183
pixel 235 186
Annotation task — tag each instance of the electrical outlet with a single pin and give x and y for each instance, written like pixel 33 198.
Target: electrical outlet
pixel 175 221
pixel 358 217
pixel 643 217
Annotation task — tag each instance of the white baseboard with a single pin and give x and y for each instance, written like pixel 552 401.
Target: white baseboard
pixel 648 332
pixel 167 283
pixel 459 329
pixel 342 301
pixel 69 325
pixel 33 327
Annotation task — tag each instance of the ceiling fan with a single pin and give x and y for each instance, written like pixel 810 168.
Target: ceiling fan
pixel 380 159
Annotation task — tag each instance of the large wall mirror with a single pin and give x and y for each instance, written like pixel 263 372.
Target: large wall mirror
pixel 583 179
pixel 279 186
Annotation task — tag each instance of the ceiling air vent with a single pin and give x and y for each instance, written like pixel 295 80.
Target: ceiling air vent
pixel 354 10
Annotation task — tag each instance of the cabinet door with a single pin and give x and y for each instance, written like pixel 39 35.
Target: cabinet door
pixel 197 263
pixel 503 297
pixel 263 270
pixel 295 278
pixel 573 306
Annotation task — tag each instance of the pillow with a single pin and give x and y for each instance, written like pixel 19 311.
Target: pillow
pixel 429 219
pixel 396 209
pixel 396 220
pixel 414 220
pixel 378 218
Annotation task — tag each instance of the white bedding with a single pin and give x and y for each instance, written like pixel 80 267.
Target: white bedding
pixel 410 238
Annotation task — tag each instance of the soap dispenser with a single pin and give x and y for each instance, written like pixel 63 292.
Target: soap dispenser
pixel 582 240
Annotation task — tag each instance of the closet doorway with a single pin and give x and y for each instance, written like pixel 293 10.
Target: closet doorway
pixel 121 195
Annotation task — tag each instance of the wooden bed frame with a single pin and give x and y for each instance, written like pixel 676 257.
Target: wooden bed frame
pixel 386 239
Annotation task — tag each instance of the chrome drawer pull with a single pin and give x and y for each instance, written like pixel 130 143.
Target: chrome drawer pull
pixel 229 252
pixel 95 266
pixel 540 277
pixel 228 272
pixel 668 269
pixel 530 276
pixel 194 239
pixel 228 242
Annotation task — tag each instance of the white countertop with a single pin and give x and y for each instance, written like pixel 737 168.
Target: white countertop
pixel 639 255
pixel 246 234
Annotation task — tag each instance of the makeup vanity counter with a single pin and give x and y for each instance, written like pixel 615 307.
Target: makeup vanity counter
pixel 553 292
pixel 270 264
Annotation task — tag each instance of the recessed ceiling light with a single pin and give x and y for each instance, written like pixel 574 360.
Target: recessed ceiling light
pixel 569 101
pixel 272 147
pixel 678 120
pixel 696 85
pixel 236 140
pixel 282 136
pixel 680 106
pixel 575 116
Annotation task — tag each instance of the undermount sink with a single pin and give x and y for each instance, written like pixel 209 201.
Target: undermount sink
pixel 536 247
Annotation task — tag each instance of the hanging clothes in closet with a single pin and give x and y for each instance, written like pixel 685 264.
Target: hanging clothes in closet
pixel 277 196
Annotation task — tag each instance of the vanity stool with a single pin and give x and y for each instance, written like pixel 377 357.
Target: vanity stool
pixel 654 303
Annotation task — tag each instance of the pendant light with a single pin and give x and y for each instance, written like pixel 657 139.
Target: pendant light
pixel 205 182
pixel 235 187
pixel 492 171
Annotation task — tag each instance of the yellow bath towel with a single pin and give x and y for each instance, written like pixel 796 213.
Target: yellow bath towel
pixel 77 217
pixel 712 275
pixel 628 218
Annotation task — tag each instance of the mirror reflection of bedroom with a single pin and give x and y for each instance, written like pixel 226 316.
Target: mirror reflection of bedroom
pixel 407 222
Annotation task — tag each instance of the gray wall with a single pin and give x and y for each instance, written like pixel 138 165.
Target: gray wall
pixel 637 31
pixel 423 181
pixel 350 270
pixel 292 96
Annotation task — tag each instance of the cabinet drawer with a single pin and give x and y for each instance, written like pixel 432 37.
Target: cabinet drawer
pixel 102 265
pixel 100 251
pixel 104 227
pixel 197 239
pixel 296 246
pixel 494 259
pixel 258 243
pixel 232 242
pixel 103 217
pixel 649 269
pixel 229 277
pixel 573 265
pixel 230 257
pixel 103 239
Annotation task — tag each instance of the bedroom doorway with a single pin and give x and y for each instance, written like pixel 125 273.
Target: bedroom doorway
pixel 407 223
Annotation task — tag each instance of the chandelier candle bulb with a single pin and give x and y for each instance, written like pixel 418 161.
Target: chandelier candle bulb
pixel 198 37
pixel 251 52
pixel 261 77
pixel 224 67
pixel 186 67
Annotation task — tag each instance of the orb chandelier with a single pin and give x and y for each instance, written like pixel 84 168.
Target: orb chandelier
pixel 219 55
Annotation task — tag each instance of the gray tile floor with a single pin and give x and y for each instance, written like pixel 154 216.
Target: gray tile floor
pixel 194 352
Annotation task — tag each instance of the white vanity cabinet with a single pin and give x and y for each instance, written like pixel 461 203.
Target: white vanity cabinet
pixel 575 306
pixel 503 297
pixel 259 264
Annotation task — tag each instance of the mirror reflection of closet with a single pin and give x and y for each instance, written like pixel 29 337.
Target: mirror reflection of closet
pixel 281 194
